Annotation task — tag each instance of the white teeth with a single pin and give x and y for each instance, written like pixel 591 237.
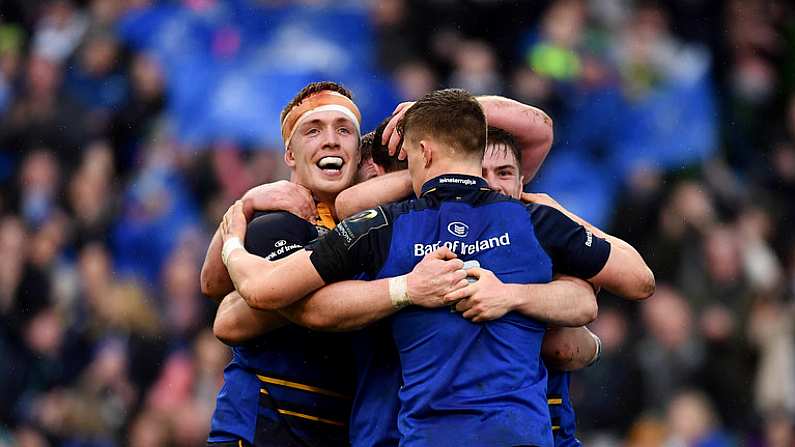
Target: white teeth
pixel 330 163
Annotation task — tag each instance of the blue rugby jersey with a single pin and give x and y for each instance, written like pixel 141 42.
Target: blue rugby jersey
pixel 561 411
pixel 291 386
pixel 464 383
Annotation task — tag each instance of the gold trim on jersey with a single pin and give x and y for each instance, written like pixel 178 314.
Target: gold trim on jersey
pixel 310 417
pixel 555 401
pixel 301 386
pixel 325 215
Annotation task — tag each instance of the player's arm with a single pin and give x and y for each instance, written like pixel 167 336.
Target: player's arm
pixel 387 188
pixel 625 273
pixel 530 126
pixel 354 246
pixel 343 306
pixel 236 322
pixel 215 280
pixel 282 195
pixel 566 301
pixel 570 348
pixel 350 305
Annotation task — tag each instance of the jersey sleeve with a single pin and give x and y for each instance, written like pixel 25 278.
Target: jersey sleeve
pixel 358 244
pixel 574 250
pixel 276 235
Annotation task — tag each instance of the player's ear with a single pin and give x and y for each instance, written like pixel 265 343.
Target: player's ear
pixel 427 153
pixel 289 158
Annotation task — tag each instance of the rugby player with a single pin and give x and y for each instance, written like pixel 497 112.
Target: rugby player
pixel 447 137
pixel 236 323
pixel 565 349
pixel 293 387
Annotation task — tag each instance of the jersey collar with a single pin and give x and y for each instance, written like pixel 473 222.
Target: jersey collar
pixel 455 181
pixel 325 217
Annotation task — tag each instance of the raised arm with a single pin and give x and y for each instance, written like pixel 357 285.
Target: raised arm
pixel 530 126
pixel 566 301
pixel 570 348
pixel 625 273
pixel 387 188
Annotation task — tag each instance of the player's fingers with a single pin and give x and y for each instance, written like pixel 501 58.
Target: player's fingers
pixel 460 284
pixel 475 272
pixel 478 318
pixel 458 275
pixel 401 107
pixel 471 313
pixel 455 264
pixel 394 142
pixel 458 294
pixel 442 253
pixel 390 128
pixel 248 208
pixel 463 305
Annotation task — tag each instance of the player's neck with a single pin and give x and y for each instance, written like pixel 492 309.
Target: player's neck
pixel 442 167
pixel 327 199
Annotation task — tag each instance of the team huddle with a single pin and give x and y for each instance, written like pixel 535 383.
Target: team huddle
pixel 401 289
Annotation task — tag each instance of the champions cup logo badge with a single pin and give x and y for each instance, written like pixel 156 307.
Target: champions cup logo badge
pixel 280 243
pixel 458 229
pixel 364 215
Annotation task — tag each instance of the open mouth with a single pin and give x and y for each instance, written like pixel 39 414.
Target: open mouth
pixel 331 165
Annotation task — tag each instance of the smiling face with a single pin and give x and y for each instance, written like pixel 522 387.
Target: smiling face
pixel 324 153
pixel 502 170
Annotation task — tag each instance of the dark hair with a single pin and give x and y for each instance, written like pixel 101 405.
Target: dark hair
pixel 372 148
pixel 452 116
pixel 501 139
pixel 311 89
pixel 366 146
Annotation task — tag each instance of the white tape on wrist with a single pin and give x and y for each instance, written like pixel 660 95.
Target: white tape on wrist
pixel 398 292
pixel 598 348
pixel 230 245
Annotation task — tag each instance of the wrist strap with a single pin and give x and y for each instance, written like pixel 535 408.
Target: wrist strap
pixel 230 245
pixel 598 348
pixel 398 292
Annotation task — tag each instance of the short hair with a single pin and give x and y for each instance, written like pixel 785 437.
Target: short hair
pixel 366 146
pixel 452 116
pixel 372 148
pixel 311 89
pixel 502 139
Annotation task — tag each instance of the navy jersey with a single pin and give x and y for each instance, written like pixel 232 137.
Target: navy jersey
pixel 484 383
pixel 291 384
pixel 561 410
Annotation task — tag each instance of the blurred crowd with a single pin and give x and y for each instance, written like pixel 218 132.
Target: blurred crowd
pixel 675 130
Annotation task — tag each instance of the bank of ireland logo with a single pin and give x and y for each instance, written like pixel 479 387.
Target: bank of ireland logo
pixel 459 229
pixel 280 243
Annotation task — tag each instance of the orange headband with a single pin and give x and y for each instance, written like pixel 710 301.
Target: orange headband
pixel 319 102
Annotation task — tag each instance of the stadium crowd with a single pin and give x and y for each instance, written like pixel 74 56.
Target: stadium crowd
pixel 675 130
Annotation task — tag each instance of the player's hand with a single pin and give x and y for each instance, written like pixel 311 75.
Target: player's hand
pixel 280 196
pixel 439 273
pixel 391 138
pixel 540 198
pixel 234 222
pixel 486 299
